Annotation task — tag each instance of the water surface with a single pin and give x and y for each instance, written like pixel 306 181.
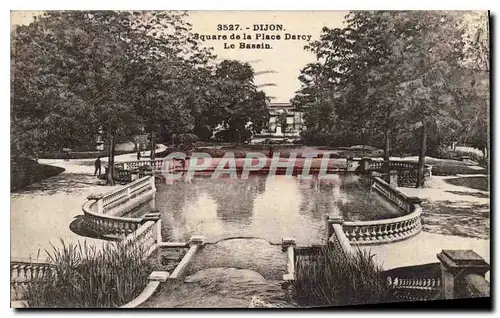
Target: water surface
pixel 267 208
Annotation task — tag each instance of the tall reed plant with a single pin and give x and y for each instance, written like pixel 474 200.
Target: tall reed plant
pixel 333 279
pixel 87 277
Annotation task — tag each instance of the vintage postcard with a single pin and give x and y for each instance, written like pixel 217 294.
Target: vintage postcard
pixel 249 159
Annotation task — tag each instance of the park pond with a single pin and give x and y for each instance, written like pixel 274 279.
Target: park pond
pixel 243 222
pixel 264 207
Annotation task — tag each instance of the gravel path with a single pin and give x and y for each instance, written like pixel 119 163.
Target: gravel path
pixel 41 214
pixel 454 217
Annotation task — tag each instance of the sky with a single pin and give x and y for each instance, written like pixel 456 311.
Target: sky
pixel 285 59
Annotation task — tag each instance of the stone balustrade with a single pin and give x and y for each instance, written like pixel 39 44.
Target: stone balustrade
pixel 102 213
pixel 415 283
pixel 23 272
pixel 337 237
pixel 156 164
pixel 147 236
pixel 406 170
pixel 387 230
pixel 459 274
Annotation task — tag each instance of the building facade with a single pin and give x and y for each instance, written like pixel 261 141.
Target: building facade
pixel 285 122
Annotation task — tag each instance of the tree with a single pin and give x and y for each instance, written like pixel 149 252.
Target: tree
pixel 395 74
pixel 166 63
pixel 82 68
pixel 236 104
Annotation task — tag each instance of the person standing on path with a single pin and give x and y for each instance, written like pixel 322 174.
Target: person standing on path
pixel 97 165
pixel 138 155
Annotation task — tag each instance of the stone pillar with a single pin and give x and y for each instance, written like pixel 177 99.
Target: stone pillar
pixel 455 266
pixel 197 240
pixel 278 131
pixel 286 242
pixel 392 178
pixel 153 216
pixel 349 164
pixel 287 245
pixel 329 220
pixel 365 164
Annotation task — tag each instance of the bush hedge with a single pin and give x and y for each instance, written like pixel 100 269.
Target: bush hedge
pixel 24 171
pixel 446 153
pixel 84 154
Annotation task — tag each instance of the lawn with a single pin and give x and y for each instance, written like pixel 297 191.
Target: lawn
pixel 26 171
pixel 477 183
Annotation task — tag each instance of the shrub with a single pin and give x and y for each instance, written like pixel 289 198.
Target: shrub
pixel 446 153
pixel 24 171
pixel 336 280
pixel 85 154
pixel 86 277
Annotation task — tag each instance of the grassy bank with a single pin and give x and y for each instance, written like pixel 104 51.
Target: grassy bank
pixel 24 171
pixel 477 183
pixel 85 277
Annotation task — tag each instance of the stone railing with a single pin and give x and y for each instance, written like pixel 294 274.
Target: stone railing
pixel 337 238
pixel 460 274
pixel 156 164
pixel 387 230
pixel 23 272
pixel 415 283
pixel 102 213
pixel 147 236
pixel 406 171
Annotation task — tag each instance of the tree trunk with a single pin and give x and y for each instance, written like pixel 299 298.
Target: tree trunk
pixel 421 157
pixel 110 180
pixel 387 150
pixel 363 146
pixel 153 145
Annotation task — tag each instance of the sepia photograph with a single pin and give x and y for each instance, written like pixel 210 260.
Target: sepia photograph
pixel 249 159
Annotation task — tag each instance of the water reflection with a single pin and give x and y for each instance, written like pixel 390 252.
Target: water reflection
pixel 269 208
pixel 235 198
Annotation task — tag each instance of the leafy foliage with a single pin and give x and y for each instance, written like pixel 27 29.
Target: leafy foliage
pixel 78 74
pixel 87 277
pixel 410 79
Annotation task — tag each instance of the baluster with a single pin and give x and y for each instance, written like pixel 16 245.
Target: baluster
pixel 380 232
pixel 390 231
pixel 385 233
pixel 352 234
pixel 359 234
pixel 366 234
pixel 29 273
pixel 373 234
pixel 413 225
pixel 356 233
pixel 396 230
pixel 405 228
